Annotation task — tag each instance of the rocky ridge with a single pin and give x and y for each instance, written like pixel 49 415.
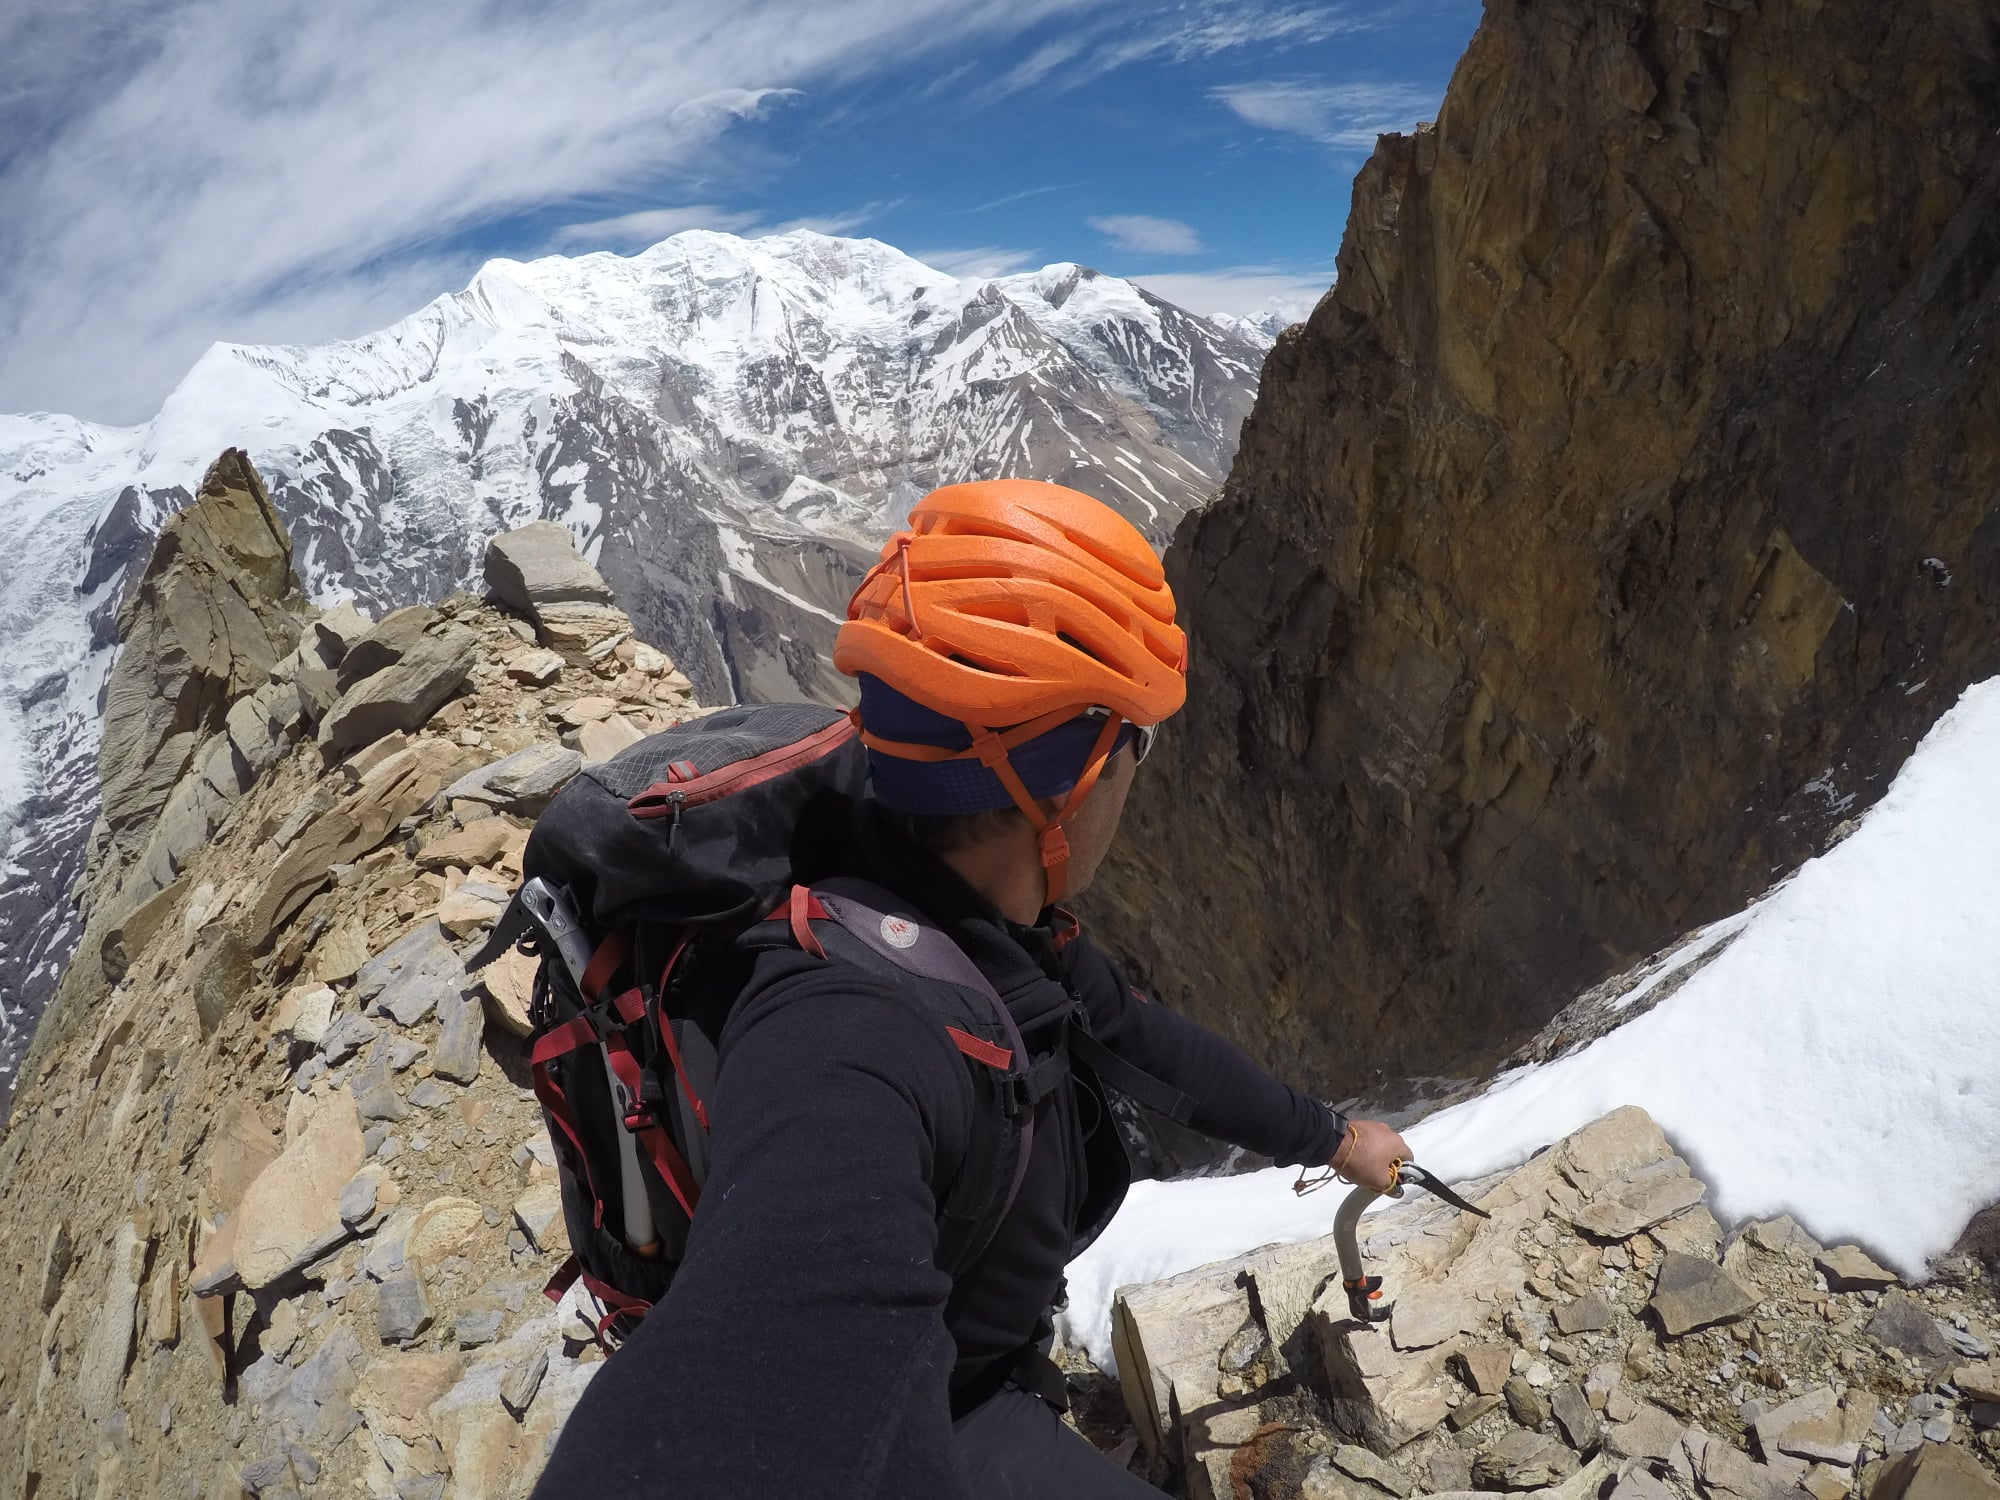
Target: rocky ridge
pixel 1601 1337
pixel 728 428
pixel 1611 531
pixel 276 1202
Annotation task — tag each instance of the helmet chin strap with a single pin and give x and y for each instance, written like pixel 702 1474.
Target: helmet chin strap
pixel 1053 840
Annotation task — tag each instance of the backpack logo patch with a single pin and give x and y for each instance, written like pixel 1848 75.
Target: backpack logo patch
pixel 900 932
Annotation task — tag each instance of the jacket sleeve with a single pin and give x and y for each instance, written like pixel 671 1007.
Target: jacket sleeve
pixel 1235 1099
pixel 802 1348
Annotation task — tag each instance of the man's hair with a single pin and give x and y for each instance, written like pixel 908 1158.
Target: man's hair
pixel 946 834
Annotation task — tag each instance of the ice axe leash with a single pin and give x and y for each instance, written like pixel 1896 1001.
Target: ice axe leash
pixel 1364 1292
pixel 550 906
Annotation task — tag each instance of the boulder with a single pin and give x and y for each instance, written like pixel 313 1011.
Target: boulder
pixel 304 1015
pixel 337 630
pixel 600 740
pixel 401 696
pixel 536 668
pixel 402 1309
pixel 290 1216
pixel 1691 1293
pixel 480 842
pixel 1523 1461
pixel 462 1029
pixel 385 644
pixel 471 907
pixel 441 1228
pixel 509 986
pixel 537 565
pixel 539 1213
pixel 1903 1323
pixel 240 1147
pixel 1485 1367
pixel 1981 1382
pixel 1936 1471
pixel 1808 1427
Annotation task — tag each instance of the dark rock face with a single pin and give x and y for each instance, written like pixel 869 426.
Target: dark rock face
pixel 1612 530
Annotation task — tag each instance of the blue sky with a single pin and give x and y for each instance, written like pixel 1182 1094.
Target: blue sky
pixel 264 171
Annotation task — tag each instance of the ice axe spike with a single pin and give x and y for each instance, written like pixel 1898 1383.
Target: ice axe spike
pixel 1364 1292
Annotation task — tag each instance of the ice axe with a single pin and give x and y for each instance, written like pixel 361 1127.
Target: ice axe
pixel 1364 1292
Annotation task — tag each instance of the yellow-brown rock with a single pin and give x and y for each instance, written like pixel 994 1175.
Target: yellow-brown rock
pixel 1614 526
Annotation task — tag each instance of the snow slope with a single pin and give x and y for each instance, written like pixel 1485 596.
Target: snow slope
pixel 729 427
pixel 1838 1059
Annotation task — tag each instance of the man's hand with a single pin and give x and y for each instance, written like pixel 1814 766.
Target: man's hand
pixel 1365 1152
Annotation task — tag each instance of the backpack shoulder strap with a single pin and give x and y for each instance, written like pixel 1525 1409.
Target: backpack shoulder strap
pixel 891 931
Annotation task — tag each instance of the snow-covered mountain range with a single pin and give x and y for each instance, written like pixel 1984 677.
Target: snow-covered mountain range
pixel 729 426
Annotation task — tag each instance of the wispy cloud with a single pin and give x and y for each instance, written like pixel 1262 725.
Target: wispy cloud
pixel 1241 291
pixel 982 261
pixel 1178 36
pixel 1024 194
pixel 1147 235
pixel 1348 115
pixel 246 169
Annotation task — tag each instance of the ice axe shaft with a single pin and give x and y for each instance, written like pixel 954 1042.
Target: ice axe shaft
pixel 1364 1292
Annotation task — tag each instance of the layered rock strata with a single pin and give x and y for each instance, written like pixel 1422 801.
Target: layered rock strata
pixel 1599 1335
pixel 1613 528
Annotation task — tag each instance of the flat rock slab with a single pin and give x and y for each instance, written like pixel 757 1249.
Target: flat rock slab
pixel 522 782
pixel 1849 1268
pixel 1575 1418
pixel 509 983
pixel 412 976
pixel 1648 1196
pixel 479 842
pixel 1654 1433
pixel 1587 1314
pixel 1692 1293
pixel 1981 1382
pixel 100 1376
pixel 471 907
pixel 290 1216
pixel 1903 1323
pixel 1809 1427
pixel 1486 1367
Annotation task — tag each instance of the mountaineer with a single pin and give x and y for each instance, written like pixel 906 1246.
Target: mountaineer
pixel 1016 654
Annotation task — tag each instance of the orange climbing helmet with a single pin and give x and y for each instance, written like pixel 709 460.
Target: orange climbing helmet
pixel 1013 608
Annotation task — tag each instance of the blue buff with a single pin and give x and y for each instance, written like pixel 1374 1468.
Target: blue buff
pixel 1048 764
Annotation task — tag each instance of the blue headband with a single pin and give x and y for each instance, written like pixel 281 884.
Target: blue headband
pixel 1048 765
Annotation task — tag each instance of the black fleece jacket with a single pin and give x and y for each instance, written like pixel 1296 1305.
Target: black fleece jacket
pixel 809 1343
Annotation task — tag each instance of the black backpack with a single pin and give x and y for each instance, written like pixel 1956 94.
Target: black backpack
pixel 643 880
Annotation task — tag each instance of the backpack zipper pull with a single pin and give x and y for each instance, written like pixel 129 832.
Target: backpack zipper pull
pixel 679 803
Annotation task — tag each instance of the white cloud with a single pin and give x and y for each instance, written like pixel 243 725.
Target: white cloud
pixel 248 168
pixel 1349 115
pixel 1253 292
pixel 1147 235
pixel 648 226
pixel 980 262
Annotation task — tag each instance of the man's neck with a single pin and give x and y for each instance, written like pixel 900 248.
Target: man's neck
pixel 1007 872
